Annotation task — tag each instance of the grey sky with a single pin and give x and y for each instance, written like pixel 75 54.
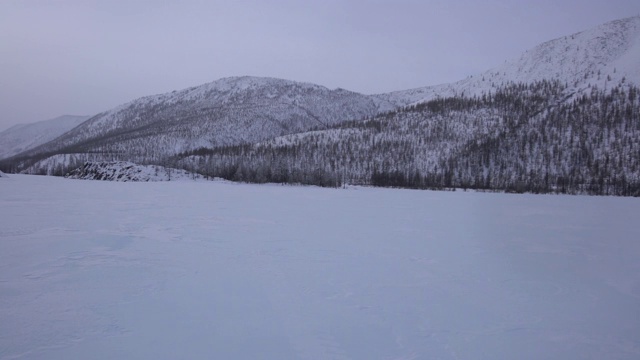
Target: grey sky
pixel 83 56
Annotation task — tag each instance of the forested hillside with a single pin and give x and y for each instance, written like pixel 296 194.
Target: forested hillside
pixel 523 137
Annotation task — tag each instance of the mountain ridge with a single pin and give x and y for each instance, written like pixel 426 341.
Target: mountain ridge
pixel 579 80
pixel 23 137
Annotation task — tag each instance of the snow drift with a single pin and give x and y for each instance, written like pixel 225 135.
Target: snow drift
pixel 127 171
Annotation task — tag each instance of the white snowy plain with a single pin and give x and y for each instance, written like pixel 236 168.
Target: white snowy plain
pixel 216 270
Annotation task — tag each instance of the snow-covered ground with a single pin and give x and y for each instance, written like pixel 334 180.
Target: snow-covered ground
pixel 127 171
pixel 217 270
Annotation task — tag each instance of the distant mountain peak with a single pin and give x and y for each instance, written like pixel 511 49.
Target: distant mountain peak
pixel 23 137
pixel 605 55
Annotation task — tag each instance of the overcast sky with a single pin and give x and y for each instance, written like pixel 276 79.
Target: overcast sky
pixel 82 57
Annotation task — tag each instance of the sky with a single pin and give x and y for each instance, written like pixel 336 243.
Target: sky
pixel 82 57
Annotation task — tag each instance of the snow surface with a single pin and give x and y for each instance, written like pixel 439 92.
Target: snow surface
pixel 194 270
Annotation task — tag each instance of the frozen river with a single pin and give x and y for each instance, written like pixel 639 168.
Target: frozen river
pixel 215 270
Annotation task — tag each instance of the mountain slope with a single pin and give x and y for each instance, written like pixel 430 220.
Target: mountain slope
pixel 524 137
pixel 225 112
pixel 21 138
pixel 604 56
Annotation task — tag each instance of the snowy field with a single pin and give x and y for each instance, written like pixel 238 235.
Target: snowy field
pixel 214 270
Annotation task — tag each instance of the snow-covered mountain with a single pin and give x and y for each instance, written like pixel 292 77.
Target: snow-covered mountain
pixel 604 56
pixel 562 117
pixel 225 112
pixel 23 137
pixel 521 138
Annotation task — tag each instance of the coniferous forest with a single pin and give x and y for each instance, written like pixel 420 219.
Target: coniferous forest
pixel 536 138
